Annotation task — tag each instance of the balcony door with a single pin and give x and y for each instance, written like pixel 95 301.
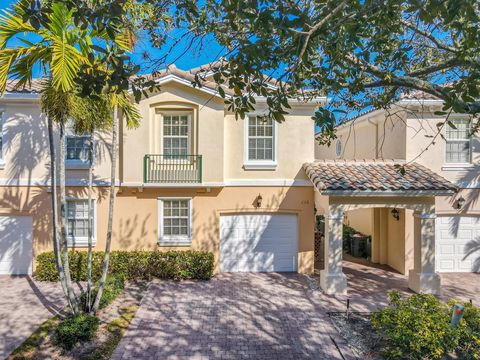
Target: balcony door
pixel 176 136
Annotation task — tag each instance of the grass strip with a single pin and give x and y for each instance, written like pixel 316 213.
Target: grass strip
pixel 116 329
pixel 35 339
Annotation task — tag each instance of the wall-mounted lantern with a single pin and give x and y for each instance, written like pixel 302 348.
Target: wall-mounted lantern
pixel 258 201
pixel 396 214
pixel 460 203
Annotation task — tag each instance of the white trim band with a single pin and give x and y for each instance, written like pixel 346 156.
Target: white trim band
pixel 425 216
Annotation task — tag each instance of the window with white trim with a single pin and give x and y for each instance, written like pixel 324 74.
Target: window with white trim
pixel 77 148
pixel 175 221
pixel 458 147
pixel 261 139
pixel 77 222
pixel 176 134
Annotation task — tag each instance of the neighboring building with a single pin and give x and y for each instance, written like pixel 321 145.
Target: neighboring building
pixel 190 176
pixel 409 133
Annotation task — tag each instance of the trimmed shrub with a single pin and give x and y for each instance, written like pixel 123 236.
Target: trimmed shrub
pixel 418 326
pixel 132 265
pixel 75 329
pixel 114 285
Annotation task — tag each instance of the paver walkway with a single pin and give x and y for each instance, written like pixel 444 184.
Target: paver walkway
pixel 24 305
pixel 233 316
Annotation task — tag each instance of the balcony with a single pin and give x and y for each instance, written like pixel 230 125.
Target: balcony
pixel 172 169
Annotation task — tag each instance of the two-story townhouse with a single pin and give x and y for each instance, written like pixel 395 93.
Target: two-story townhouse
pixel 190 176
pixel 410 133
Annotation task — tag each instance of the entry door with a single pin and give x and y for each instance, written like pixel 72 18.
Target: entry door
pixel 258 243
pixel 455 234
pixel 15 245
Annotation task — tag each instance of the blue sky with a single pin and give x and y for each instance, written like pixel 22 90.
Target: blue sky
pixel 189 60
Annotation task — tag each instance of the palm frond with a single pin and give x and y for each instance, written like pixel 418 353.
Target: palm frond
pixel 11 25
pixel 124 102
pixel 56 104
pixel 65 64
pixel 91 112
pixel 9 59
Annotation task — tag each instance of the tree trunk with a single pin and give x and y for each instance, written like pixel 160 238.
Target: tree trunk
pixel 53 188
pixel 72 299
pixel 91 157
pixel 106 259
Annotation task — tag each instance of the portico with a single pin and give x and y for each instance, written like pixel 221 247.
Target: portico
pixel 343 186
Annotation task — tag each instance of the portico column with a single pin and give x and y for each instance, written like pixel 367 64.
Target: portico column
pixel 332 279
pixel 423 278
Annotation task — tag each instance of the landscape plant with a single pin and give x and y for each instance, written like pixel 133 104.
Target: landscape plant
pixel 418 327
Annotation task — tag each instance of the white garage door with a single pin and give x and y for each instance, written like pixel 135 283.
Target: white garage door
pixel 455 235
pixel 15 245
pixel 258 243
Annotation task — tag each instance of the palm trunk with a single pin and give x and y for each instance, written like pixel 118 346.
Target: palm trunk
pixel 106 259
pixel 72 299
pixel 91 155
pixel 53 187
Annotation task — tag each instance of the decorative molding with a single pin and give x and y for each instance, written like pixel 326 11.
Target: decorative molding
pixel 425 215
pixel 268 182
pixel 234 182
pixel 467 184
pixel 43 182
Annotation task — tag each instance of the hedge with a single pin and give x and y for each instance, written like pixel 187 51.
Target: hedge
pixel 132 265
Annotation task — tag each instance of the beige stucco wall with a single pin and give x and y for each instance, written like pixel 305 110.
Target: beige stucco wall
pixel 374 137
pixel 207 131
pixel 293 147
pixel 420 130
pixel 136 215
pixel 26 147
pixel 361 220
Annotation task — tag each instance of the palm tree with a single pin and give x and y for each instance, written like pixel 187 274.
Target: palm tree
pixel 59 53
pixel 91 114
pixel 63 49
pixel 123 102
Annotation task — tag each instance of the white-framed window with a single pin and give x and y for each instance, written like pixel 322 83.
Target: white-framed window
pixel 175 221
pixel 338 148
pixel 176 134
pixel 78 223
pixel 77 150
pixel 458 142
pixel 260 142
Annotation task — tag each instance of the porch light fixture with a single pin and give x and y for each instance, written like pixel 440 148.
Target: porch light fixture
pixel 258 201
pixel 460 203
pixel 396 214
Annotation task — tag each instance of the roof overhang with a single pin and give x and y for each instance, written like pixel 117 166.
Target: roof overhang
pixel 414 193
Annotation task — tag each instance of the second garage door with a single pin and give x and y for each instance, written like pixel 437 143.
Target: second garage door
pixel 454 234
pixel 258 243
pixel 15 245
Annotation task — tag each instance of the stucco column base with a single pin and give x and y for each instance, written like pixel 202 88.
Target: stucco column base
pixel 333 284
pixel 424 283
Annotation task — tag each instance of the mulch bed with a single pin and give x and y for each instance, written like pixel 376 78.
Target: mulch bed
pixel 114 320
pixel 358 333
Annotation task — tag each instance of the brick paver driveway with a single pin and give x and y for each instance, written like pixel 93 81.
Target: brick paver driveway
pixel 233 316
pixel 24 305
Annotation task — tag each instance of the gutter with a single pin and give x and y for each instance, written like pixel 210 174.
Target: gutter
pixel 371 193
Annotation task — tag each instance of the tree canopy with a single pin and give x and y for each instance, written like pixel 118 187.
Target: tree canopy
pixel 362 54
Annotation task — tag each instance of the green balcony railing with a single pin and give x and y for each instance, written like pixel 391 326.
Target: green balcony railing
pixel 172 169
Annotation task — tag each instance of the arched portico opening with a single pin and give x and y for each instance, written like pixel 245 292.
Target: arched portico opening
pixel 341 187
